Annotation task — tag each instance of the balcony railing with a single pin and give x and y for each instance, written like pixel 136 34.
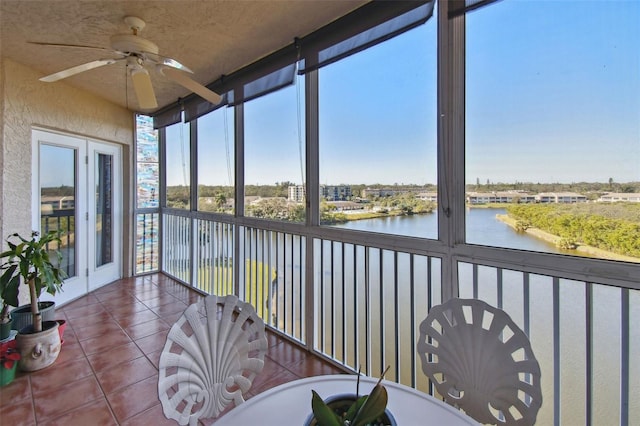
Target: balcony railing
pixel 358 300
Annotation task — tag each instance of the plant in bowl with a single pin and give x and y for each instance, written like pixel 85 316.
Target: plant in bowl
pixel 352 410
pixel 31 262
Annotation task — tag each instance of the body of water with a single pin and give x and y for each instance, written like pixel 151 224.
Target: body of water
pixel 482 228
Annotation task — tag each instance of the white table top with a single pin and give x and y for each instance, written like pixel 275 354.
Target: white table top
pixel 290 403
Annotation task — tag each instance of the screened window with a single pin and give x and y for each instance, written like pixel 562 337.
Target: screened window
pixel 378 163
pixel 552 130
pixel 178 166
pixel 216 171
pixel 274 154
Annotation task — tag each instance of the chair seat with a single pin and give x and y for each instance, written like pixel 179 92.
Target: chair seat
pixel 480 361
pixel 211 356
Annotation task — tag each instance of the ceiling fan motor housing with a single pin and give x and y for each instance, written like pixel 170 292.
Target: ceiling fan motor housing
pixel 129 43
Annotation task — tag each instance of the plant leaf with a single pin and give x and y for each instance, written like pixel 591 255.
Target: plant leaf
pixel 321 411
pixel 355 407
pixel 373 407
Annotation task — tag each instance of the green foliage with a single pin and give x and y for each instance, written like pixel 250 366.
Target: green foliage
pixel 277 208
pixel 522 225
pixel 408 203
pixel 611 227
pixel 29 261
pixel 364 410
pixel 566 244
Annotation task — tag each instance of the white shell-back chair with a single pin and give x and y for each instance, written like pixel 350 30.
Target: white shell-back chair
pixel 480 361
pixel 211 356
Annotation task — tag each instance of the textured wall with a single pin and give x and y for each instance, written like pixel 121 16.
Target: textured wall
pixel 27 102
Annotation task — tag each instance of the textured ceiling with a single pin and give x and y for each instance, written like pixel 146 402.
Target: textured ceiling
pixel 212 37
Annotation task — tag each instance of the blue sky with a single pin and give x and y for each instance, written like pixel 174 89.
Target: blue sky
pixel 553 95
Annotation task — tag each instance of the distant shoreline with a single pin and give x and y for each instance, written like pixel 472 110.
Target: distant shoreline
pixel 553 239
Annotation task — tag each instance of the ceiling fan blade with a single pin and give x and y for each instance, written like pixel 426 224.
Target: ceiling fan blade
pixel 143 88
pixel 78 69
pixel 180 78
pixel 76 46
pixel 169 62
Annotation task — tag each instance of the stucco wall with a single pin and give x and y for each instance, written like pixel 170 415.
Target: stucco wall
pixel 27 102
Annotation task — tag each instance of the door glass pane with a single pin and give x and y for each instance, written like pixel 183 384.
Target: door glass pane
pixel 104 206
pixel 57 200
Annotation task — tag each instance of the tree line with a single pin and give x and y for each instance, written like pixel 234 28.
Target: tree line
pixel 610 227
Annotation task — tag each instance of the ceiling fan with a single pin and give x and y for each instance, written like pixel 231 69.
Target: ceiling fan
pixel 138 54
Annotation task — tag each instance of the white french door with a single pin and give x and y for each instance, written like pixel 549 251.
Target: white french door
pixel 77 190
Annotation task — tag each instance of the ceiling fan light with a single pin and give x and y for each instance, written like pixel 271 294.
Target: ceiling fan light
pixel 143 88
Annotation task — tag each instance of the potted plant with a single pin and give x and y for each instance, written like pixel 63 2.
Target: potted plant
pixel 9 357
pixel 29 261
pixel 353 410
pixel 5 320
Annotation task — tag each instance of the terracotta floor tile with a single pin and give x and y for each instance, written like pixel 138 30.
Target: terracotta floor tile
pixel 132 400
pixel 136 318
pixel 87 331
pixel 69 335
pixel 152 416
pixel 89 299
pixel 107 359
pixel 174 307
pixel 57 375
pixel 125 374
pixel 100 357
pixel 20 413
pixel 122 299
pixel 70 350
pixel 82 312
pixel 67 398
pixel 310 367
pixel 109 292
pixel 154 357
pixel 96 318
pixel 96 413
pixel 270 381
pixel 148 293
pixel 125 310
pixel 152 343
pixel 15 391
pixel 171 319
pixel 105 342
pixel 162 299
pixel 286 354
pixel 144 329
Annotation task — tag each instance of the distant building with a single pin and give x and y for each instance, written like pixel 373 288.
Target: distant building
pixel 328 192
pixel 335 192
pixel 342 206
pixel 612 197
pixel 500 197
pixel 560 197
pixel 428 196
pixel 297 193
pixel 380 192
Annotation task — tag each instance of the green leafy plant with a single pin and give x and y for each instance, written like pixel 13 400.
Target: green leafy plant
pixel 29 261
pixel 364 410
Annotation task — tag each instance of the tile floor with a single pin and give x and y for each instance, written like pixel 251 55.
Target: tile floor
pixel 107 370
